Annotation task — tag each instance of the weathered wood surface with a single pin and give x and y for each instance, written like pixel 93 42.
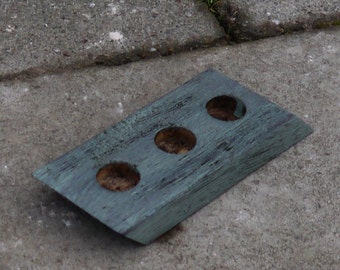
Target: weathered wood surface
pixel 174 186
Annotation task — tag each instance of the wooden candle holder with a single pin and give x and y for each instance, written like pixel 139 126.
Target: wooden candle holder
pixel 149 172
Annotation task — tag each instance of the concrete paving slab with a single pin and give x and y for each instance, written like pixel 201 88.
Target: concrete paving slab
pixel 284 216
pixel 253 19
pixel 39 36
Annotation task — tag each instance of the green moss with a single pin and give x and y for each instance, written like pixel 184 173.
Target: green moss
pixel 325 24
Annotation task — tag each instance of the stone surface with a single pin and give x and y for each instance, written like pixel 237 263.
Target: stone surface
pixel 39 36
pixel 284 216
pixel 253 19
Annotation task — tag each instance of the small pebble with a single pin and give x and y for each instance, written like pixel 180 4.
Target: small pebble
pixel 67 223
pixel 154 12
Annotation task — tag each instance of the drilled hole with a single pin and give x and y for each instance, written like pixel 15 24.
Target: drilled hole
pixel 175 140
pixel 226 108
pixel 118 176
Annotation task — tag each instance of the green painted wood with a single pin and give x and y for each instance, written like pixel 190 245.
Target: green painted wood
pixel 174 186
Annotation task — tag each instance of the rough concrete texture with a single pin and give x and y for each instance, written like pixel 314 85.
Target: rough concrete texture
pixel 253 19
pixel 38 36
pixel 284 216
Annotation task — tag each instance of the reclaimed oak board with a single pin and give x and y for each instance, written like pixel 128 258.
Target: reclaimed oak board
pixel 149 172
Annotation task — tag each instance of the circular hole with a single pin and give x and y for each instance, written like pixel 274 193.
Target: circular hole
pixel 118 176
pixel 175 140
pixel 226 108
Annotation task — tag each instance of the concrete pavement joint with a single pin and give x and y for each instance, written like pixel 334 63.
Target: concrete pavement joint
pixel 111 59
pixel 42 37
pixel 246 21
pixel 64 30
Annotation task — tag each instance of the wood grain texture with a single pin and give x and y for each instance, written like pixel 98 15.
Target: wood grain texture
pixel 174 186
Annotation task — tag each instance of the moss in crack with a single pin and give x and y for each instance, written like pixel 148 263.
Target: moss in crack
pixel 212 5
pixel 325 24
pixel 232 20
pixel 228 16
